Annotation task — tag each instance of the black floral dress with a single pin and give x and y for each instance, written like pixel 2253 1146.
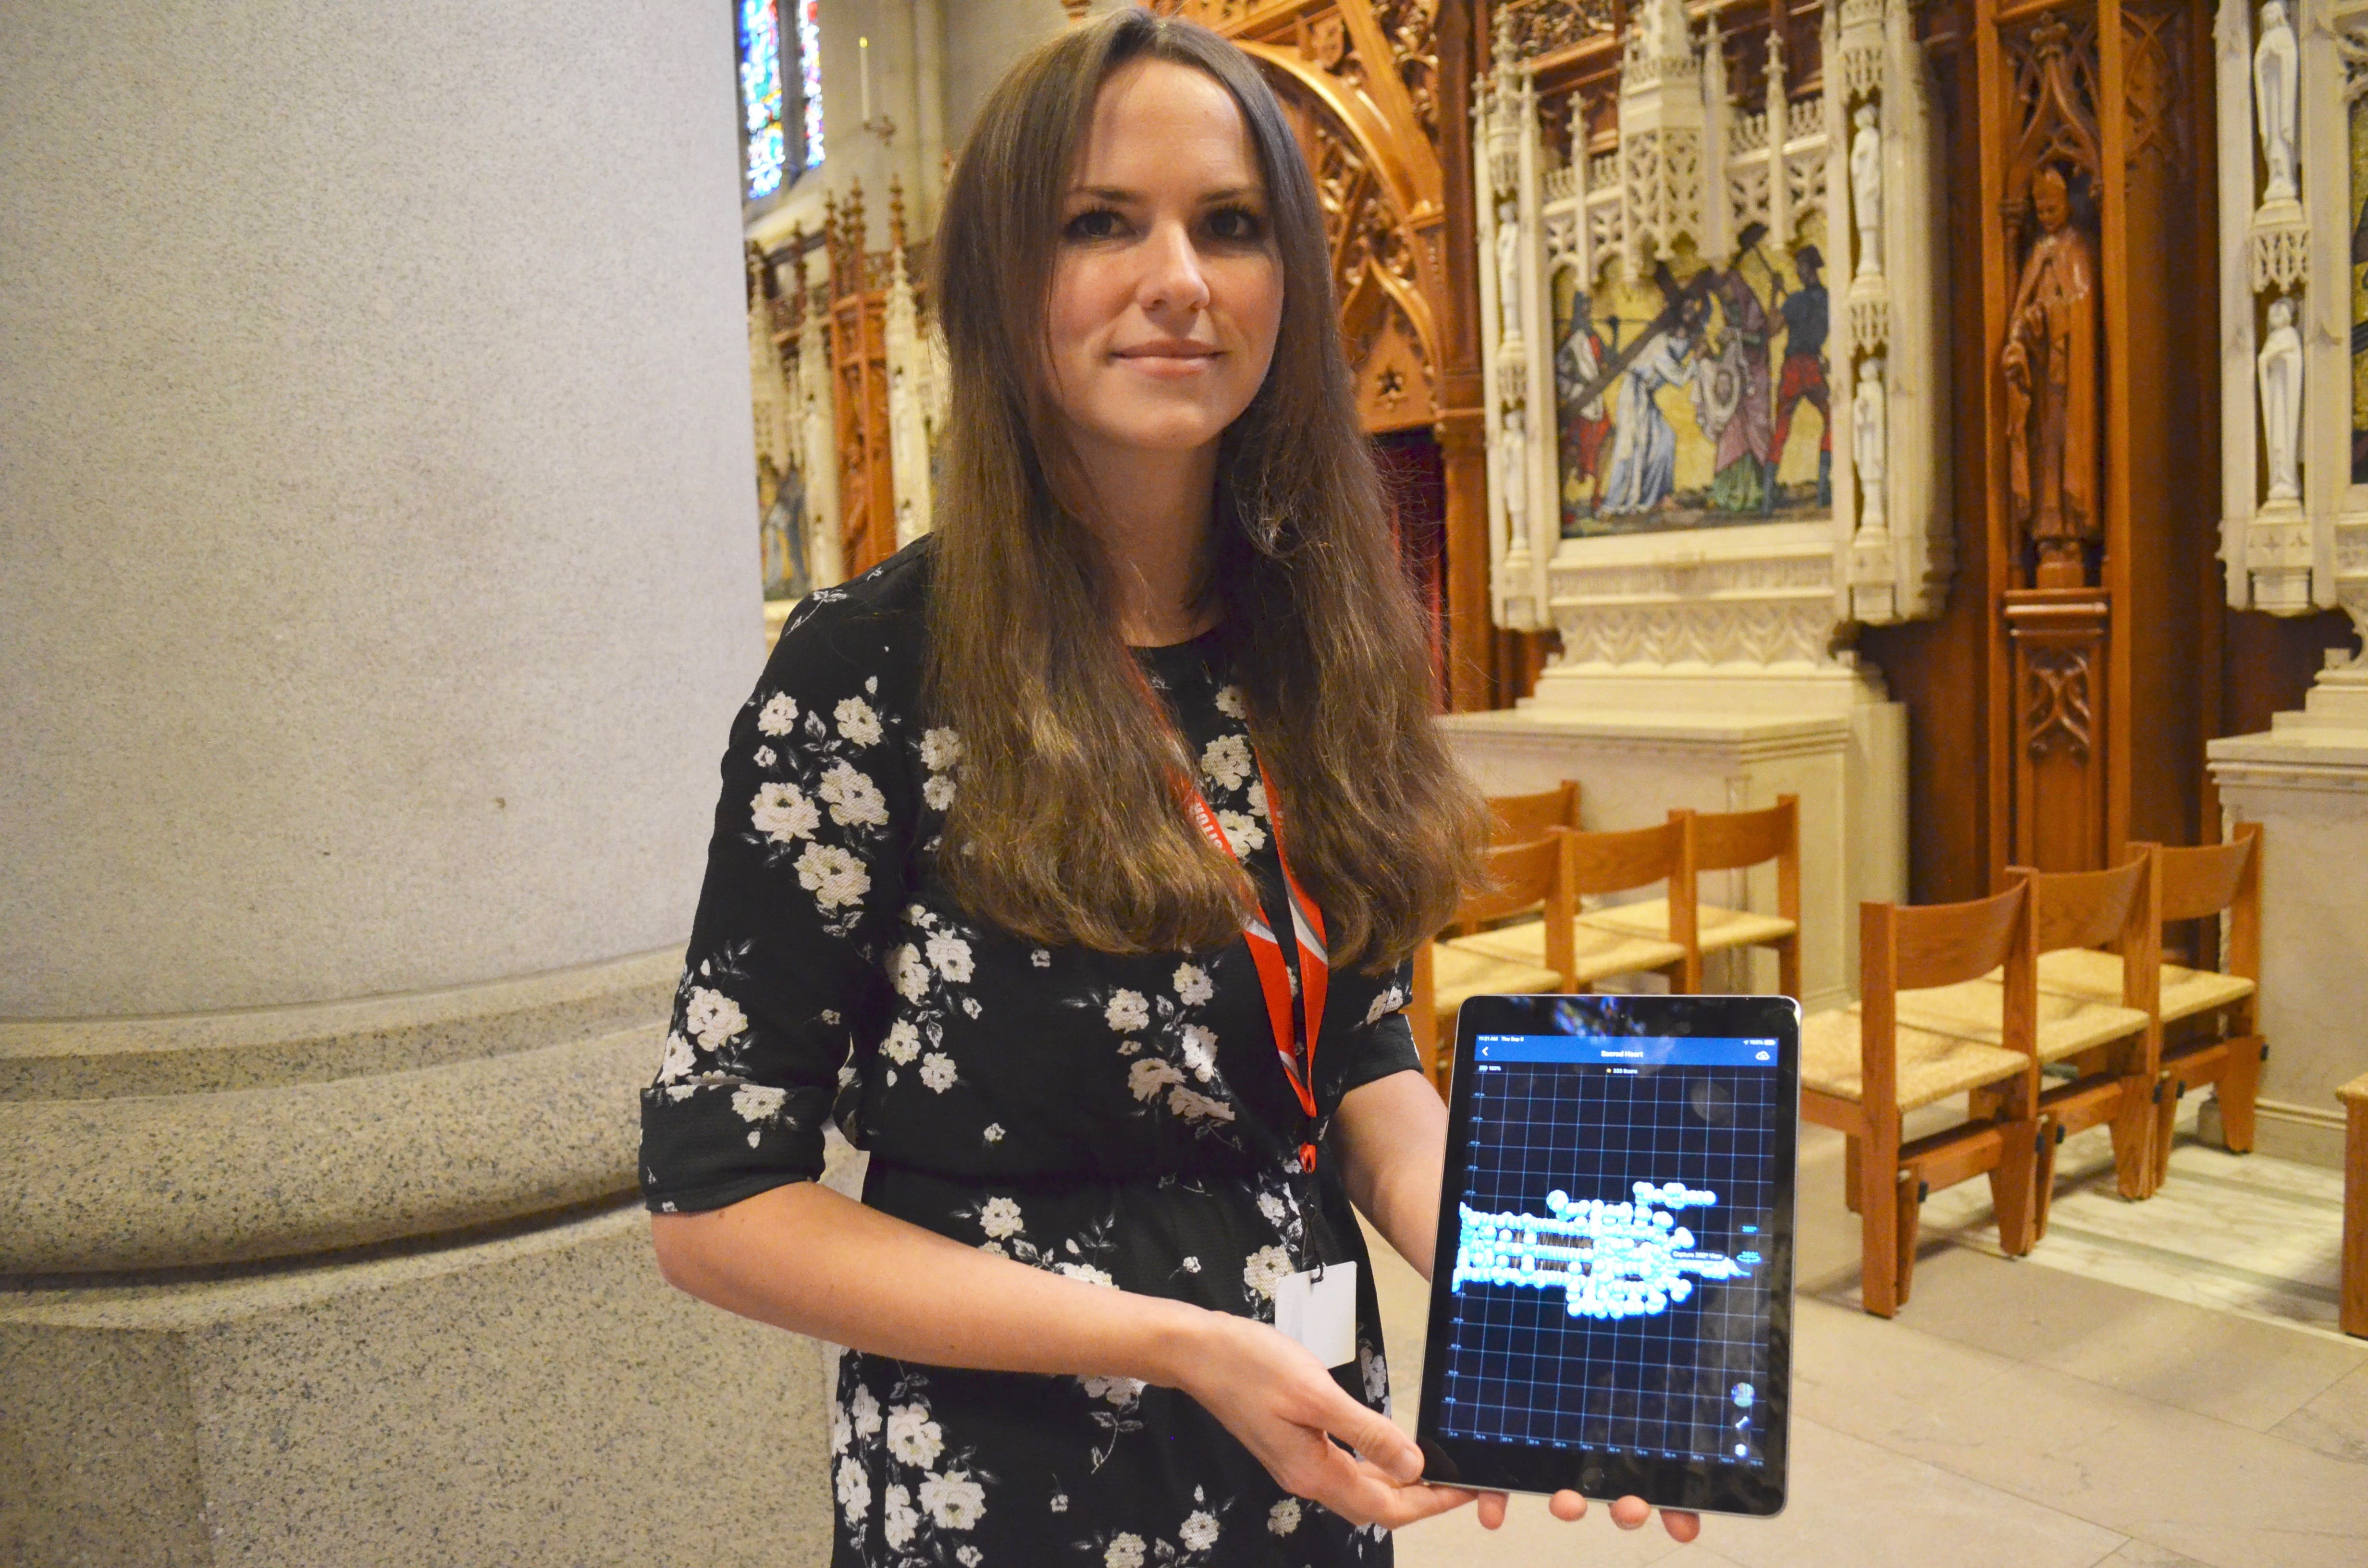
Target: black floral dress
pixel 1122 1121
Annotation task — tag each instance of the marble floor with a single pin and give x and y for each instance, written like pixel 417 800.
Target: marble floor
pixel 2159 1385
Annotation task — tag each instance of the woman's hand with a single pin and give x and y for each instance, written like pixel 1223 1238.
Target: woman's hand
pixel 1628 1513
pixel 1270 1392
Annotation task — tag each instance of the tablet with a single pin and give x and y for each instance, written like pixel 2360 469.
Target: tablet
pixel 1611 1304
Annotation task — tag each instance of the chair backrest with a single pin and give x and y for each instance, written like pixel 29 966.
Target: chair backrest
pixel 1614 862
pixel 1524 819
pixel 2112 908
pixel 2199 883
pixel 1521 877
pixel 1729 841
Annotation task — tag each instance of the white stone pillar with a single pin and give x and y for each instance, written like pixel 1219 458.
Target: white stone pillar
pixel 378 577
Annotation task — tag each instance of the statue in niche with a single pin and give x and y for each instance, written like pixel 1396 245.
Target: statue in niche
pixel 781 530
pixel 1508 273
pixel 1868 420
pixel 2050 362
pixel 2274 100
pixel 1866 190
pixel 2277 370
pixel 1512 463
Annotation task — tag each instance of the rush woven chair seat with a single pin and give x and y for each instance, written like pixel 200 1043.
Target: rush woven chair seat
pixel 1733 841
pixel 1899 1066
pixel 1608 863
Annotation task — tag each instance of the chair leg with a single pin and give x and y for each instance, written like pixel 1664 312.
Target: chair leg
pixel 2238 1085
pixel 1909 1198
pixel 2133 1134
pixel 2166 1114
pixel 2014 1188
pixel 1788 967
pixel 2043 1178
pixel 1851 1159
pixel 1878 1198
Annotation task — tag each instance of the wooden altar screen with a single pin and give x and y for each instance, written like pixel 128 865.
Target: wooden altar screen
pixel 858 356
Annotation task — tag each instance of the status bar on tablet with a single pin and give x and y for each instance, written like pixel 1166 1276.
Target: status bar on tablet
pixel 1625 1050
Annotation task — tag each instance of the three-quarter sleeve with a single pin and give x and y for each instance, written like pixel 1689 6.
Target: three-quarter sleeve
pixel 1381 1045
pixel 805 869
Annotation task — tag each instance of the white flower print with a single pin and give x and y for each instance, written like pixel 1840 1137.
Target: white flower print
pixel 1120 1392
pixel 864 1411
pixel 902 1042
pixel 1267 1267
pixel 1147 1077
pixel 765 757
pixel 1227 760
pixel 954 1500
pixel 1391 999
pixel 1060 1504
pixel 841 1433
pixel 715 1018
pixel 836 877
pixel 914 1438
pixel 940 749
pixel 780 714
pixel 1377 1376
pixel 1242 832
pixel 1258 798
pixel 1283 1517
pixel 1271 1205
pixel 857 722
pixel 999 1217
pixel 992 1133
pixel 1200 1051
pixel 1192 987
pixel 1127 1011
pixel 937 1071
pixel 970 1006
pixel 854 1490
pixel 1129 1047
pixel 782 813
pixel 759 1102
pixel 951 957
pixel 898 1519
pixel 854 801
pixel 938 792
pixel 1194 1107
pixel 1125 1551
pixel 679 1061
pixel 1087 1272
pixel 1041 956
pixel 1199 1530
pixel 1191 1266
pixel 969 1556
pixel 1229 702
pixel 908 973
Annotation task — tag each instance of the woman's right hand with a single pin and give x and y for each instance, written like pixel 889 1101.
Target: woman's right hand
pixel 1270 1393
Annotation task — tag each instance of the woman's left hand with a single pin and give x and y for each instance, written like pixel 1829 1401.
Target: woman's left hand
pixel 1628 1513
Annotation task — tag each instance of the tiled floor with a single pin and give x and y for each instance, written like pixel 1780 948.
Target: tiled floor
pixel 2092 1407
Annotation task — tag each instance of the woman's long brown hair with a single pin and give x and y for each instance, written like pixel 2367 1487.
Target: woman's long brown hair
pixel 1065 827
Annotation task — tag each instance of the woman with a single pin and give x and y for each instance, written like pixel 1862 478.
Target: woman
pixel 974 889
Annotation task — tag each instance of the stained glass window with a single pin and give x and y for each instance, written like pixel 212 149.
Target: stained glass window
pixel 810 75
pixel 760 91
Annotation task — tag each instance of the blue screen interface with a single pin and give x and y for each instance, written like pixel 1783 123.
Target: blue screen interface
pixel 1611 1277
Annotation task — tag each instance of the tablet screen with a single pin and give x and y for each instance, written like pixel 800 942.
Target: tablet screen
pixel 1620 1223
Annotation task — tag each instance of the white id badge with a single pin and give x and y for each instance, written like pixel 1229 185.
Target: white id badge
pixel 1321 1313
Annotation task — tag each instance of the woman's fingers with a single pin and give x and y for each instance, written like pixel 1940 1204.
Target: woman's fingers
pixel 1373 1435
pixel 1492 1510
pixel 1630 1513
pixel 1363 1494
pixel 1566 1506
pixel 1681 1525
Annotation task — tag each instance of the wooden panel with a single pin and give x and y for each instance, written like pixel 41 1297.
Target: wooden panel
pixel 867 500
pixel 2064 693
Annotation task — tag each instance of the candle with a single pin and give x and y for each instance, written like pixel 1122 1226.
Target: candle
pixel 863 57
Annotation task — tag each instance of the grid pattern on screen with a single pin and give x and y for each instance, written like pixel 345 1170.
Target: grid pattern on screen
pixel 1520 1368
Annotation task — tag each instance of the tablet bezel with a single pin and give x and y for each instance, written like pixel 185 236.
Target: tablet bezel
pixel 1697 1485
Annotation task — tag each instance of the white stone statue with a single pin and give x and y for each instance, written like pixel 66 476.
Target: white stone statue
pixel 1513 472
pixel 2278 368
pixel 2275 63
pixel 1508 271
pixel 1866 190
pixel 1868 432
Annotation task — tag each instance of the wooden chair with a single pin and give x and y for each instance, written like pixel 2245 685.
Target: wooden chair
pixel 1733 841
pixel 1607 863
pixel 2111 1041
pixel 1524 819
pixel 1521 878
pixel 1864 1066
pixel 2209 1019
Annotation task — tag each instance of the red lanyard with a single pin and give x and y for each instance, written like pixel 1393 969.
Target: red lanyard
pixel 1290 1027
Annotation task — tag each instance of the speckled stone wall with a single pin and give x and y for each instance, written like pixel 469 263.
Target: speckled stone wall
pixel 378 567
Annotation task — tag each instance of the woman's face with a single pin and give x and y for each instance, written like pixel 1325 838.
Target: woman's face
pixel 1166 290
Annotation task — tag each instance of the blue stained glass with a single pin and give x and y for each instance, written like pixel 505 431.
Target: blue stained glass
pixel 760 93
pixel 810 75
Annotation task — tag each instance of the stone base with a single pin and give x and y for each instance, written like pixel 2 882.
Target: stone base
pixel 2304 1134
pixel 539 1399
pixel 1720 739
